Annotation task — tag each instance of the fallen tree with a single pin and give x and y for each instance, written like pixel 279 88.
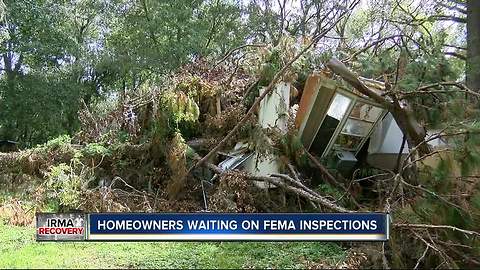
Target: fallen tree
pixel 320 34
pixel 401 111
pixel 286 182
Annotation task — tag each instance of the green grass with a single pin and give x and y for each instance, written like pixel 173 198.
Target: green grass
pixel 18 249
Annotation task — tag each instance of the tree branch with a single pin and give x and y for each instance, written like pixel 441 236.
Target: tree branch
pixel 448 18
pixel 403 114
pixel 457 55
pixel 340 69
pixel 429 226
pixel 236 49
pixel 267 90
pixel 456 8
pixel 330 179
pixel 424 89
pixel 421 258
pixel 374 43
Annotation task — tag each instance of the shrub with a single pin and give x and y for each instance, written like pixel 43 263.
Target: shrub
pixel 64 186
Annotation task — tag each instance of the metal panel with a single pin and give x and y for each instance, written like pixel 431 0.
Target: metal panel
pixel 316 113
pixel 309 93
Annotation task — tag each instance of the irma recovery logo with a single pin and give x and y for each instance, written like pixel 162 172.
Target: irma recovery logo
pixel 60 226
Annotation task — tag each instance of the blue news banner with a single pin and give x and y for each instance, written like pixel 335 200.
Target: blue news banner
pixel 212 226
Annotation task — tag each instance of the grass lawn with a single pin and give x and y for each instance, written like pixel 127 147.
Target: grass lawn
pixel 18 249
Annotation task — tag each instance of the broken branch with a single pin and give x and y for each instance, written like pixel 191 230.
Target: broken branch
pixel 278 182
pixel 459 85
pixel 296 183
pixel 340 69
pixel 330 179
pixel 428 226
pixel 318 199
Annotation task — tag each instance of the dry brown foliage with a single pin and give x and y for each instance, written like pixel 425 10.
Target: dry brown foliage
pixel 233 194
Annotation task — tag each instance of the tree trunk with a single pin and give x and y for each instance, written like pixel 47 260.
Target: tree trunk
pixel 11 70
pixel 473 45
pixel 403 114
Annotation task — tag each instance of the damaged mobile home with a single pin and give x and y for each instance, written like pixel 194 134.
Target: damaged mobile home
pixel 336 123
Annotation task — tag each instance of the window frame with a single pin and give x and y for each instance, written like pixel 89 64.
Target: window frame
pixel 355 98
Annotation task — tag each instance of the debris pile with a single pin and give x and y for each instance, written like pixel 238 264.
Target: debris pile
pixel 219 137
pixel 151 138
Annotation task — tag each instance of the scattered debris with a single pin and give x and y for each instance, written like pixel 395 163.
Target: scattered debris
pixel 234 159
